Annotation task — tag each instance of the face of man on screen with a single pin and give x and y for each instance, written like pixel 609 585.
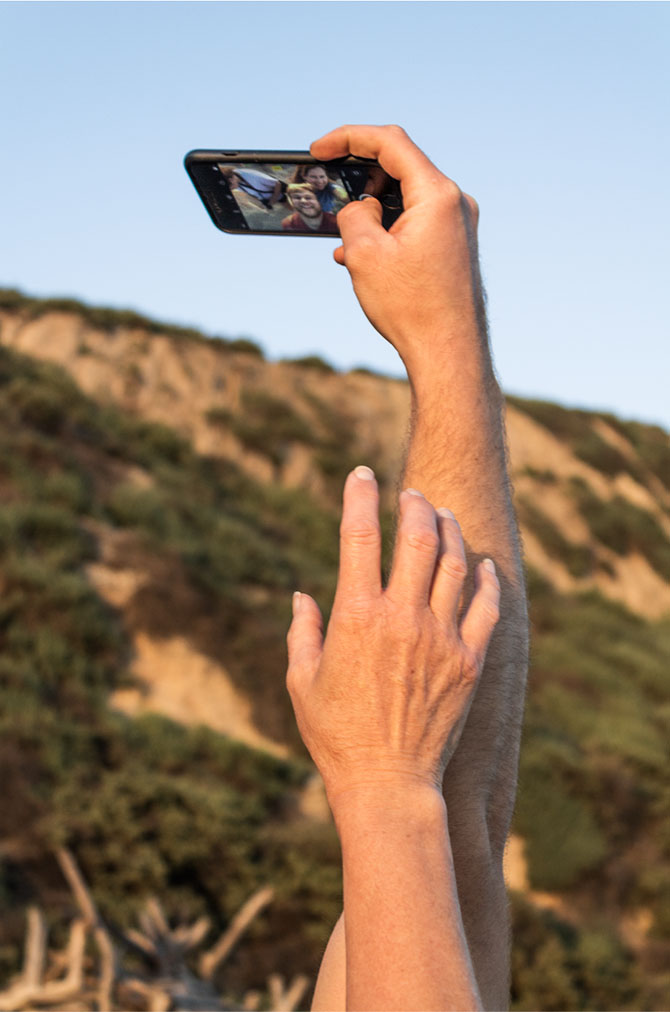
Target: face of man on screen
pixel 306 203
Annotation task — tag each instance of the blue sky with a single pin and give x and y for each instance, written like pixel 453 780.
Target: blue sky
pixel 553 115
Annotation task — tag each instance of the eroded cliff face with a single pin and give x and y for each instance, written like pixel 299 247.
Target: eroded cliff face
pixel 202 389
pixel 210 394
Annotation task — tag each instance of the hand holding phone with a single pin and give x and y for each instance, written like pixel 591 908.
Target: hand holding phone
pixel 419 284
pixel 287 192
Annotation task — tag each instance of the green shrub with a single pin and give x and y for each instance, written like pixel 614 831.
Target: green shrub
pixel 363 370
pixel 246 346
pixel 557 966
pixel 312 362
pixel 268 425
pixel 544 477
pixel 42 407
pixel 47 530
pixel 219 416
pixel 563 840
pixel 130 506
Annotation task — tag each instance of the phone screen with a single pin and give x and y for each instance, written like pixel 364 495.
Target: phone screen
pixel 293 198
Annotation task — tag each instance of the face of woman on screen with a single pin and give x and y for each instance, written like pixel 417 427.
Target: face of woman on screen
pixel 318 177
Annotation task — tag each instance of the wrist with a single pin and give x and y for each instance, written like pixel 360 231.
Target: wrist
pixel 385 804
pixel 442 362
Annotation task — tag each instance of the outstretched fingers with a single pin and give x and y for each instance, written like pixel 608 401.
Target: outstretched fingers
pixel 359 577
pixel 483 612
pixel 304 638
pixel 450 572
pixel 416 551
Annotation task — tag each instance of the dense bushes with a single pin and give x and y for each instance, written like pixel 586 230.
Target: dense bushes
pixel 556 965
pixel 596 748
pixel 147 805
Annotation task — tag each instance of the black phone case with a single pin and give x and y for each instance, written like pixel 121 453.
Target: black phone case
pixel 196 160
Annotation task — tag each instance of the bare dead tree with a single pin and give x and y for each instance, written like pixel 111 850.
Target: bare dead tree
pixel 69 980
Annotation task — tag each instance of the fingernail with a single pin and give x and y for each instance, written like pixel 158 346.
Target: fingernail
pixel 447 514
pixel 489 566
pixel 415 491
pixel 364 472
pixel 297 601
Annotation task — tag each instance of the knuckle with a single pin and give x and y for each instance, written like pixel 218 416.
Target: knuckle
pixel 471 666
pixel 448 199
pixel 449 194
pixel 292 679
pixel 423 540
pixel 360 251
pixel 347 210
pixel 473 205
pixel 360 534
pixel 491 613
pixel 358 611
pixel 454 567
pixel 396 129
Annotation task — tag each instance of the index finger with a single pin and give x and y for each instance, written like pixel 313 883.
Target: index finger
pixel 359 575
pixel 390 145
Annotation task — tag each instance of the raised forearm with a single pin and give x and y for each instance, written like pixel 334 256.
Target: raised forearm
pixel 456 451
pixel 405 942
pixel 419 285
pixel 457 457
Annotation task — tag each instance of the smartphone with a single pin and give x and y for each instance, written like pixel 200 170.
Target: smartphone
pixel 286 192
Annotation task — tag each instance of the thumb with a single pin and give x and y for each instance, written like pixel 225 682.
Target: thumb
pixel 360 218
pixel 360 221
pixel 305 634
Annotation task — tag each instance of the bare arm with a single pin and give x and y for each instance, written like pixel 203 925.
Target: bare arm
pixel 406 944
pixel 419 285
pixel 381 704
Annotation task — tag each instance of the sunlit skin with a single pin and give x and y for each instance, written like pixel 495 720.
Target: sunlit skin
pixel 419 285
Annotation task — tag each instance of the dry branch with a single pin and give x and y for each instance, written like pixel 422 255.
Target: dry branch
pixel 286 999
pixel 36 947
pixel 239 924
pixel 23 993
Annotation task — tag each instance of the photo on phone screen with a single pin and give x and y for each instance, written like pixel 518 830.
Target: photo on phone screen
pixel 286 192
pixel 286 197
